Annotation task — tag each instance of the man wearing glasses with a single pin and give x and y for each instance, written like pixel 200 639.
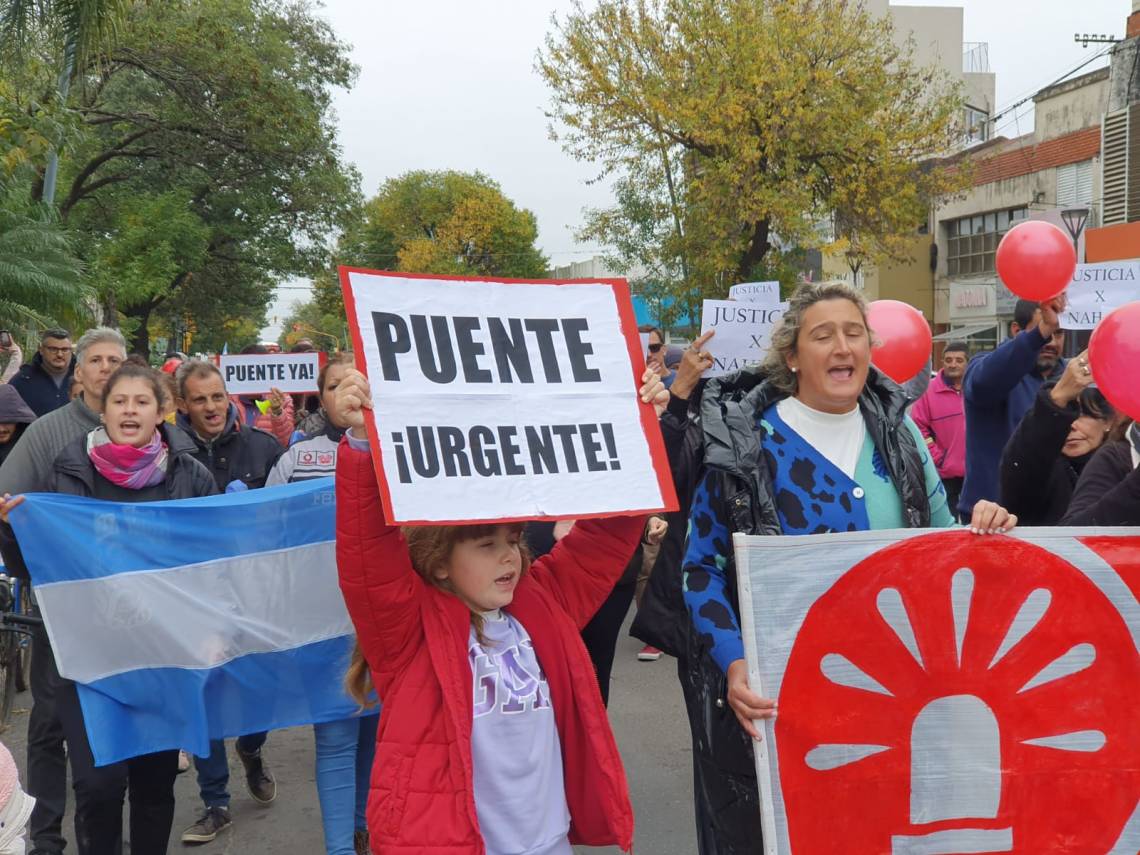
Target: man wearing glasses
pixel 45 382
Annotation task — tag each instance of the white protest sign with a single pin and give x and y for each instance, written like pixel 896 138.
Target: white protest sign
pixel 1097 289
pixel 765 293
pixel 644 338
pixel 743 331
pixel 502 401
pixel 257 373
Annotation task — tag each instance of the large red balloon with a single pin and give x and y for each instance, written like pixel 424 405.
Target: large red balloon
pixel 1114 358
pixel 1036 260
pixel 904 339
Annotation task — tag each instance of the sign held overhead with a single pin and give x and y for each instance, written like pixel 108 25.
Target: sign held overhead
pixel 502 399
pixel 257 373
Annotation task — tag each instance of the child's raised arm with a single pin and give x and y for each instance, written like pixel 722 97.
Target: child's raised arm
pixel 380 587
pixel 585 565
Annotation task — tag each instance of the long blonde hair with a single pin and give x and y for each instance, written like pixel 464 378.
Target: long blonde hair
pixel 358 679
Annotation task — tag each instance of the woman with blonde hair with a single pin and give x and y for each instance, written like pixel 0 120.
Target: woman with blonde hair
pixel 821 443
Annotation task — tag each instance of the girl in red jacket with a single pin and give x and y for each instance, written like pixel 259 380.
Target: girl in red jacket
pixel 493 738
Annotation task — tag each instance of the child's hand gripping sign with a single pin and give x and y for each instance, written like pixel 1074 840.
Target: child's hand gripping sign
pixel 500 400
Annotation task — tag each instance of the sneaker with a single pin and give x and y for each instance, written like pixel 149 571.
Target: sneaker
pixel 262 788
pixel 213 820
pixel 648 653
pixel 360 843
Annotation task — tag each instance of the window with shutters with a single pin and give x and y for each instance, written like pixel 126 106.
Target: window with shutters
pixel 1117 133
pixel 1075 184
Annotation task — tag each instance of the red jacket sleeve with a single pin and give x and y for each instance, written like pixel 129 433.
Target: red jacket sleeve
pixel 585 565
pixel 380 588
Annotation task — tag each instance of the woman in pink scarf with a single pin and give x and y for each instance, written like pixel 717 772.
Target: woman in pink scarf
pixel 133 457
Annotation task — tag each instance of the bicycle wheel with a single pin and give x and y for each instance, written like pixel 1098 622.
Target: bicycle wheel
pixel 9 654
pixel 24 642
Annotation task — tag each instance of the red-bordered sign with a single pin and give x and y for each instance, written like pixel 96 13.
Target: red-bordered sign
pixel 614 465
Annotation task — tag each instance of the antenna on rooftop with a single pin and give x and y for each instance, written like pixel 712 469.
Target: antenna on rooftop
pixel 1087 39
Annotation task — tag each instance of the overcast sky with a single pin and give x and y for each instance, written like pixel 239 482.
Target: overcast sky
pixel 450 84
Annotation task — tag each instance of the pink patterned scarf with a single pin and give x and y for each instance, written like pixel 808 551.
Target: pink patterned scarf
pixel 125 465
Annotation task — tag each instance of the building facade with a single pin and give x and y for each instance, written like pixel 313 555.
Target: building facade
pixel 1036 176
pixel 937 35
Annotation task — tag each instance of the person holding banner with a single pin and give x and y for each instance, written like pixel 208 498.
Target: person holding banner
pixel 27 469
pixel 1069 421
pixel 471 648
pixel 133 457
pixel 345 748
pixel 821 444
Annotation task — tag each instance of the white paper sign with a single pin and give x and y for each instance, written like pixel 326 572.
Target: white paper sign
pixel 743 331
pixel 257 373
pixel 1097 289
pixel 765 293
pixel 505 400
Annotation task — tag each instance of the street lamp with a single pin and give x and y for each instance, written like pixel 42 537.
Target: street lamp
pixel 1074 220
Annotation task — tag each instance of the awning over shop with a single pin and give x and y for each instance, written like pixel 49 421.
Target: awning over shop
pixel 965 332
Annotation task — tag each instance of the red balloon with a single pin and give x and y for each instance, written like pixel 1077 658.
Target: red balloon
pixel 904 339
pixel 1036 260
pixel 1114 358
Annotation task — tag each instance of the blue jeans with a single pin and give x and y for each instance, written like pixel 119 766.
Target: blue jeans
pixel 214 771
pixel 345 750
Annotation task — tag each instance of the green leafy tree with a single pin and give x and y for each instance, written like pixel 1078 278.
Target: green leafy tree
pixel 40 276
pixel 327 330
pixel 84 25
pixel 436 222
pixel 207 168
pixel 734 127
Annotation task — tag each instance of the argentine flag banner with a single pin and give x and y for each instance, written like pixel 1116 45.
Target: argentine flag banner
pixel 195 619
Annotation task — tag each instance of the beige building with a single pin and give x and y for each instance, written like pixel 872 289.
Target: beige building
pixel 936 32
pixel 1036 176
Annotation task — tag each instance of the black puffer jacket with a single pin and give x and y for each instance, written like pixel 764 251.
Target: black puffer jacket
pixel 240 453
pixel 722 752
pixel 74 474
pixel 721 433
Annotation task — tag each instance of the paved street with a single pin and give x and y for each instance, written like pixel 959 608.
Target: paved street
pixel 647 715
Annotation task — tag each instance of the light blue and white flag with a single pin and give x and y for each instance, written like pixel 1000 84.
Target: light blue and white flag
pixel 195 619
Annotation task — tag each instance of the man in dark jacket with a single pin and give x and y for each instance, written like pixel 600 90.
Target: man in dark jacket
pixel 999 389
pixel 239 457
pixel 232 451
pixel 45 382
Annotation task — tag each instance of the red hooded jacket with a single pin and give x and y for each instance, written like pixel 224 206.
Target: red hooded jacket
pixel 414 637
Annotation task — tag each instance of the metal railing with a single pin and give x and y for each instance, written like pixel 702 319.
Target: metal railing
pixel 975 57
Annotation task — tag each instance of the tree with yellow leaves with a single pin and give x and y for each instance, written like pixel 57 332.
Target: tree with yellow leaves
pixel 739 126
pixel 447 222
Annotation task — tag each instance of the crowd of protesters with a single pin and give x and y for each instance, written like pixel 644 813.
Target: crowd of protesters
pixel 1017 435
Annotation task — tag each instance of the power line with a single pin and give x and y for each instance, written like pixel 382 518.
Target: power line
pixel 1060 79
